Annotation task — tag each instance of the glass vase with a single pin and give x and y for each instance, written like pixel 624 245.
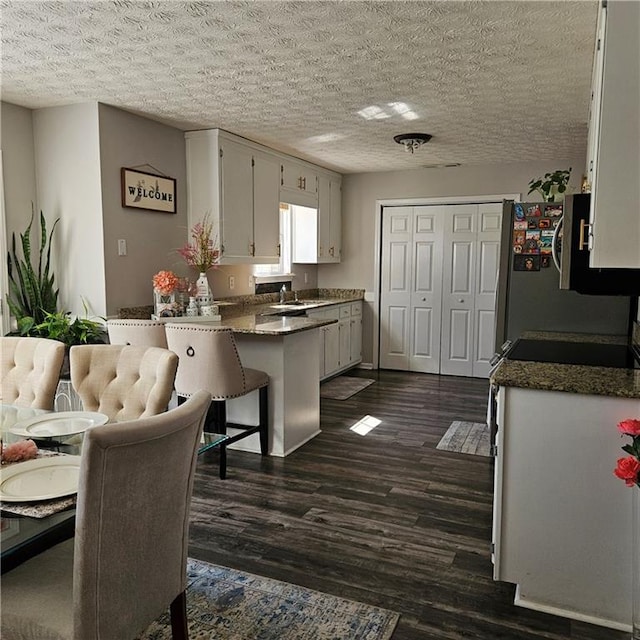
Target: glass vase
pixel 635 567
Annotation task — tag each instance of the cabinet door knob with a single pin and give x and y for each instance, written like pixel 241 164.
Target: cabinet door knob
pixel 460 299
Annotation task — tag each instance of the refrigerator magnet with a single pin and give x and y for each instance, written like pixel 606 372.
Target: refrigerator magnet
pixel 532 223
pixel 534 210
pixel 554 211
pixel 525 262
pixel 520 225
pixel 545 261
pixel 518 211
pixel 544 223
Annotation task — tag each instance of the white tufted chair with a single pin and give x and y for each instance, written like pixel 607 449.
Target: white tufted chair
pixel 143 333
pixel 209 360
pixel 124 382
pixel 127 563
pixel 30 370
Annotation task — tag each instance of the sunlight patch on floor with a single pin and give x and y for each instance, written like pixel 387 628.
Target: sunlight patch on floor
pixel 364 425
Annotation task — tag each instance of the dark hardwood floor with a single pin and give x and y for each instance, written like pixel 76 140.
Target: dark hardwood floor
pixel 384 518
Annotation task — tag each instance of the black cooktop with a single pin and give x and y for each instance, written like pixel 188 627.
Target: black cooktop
pixel 594 354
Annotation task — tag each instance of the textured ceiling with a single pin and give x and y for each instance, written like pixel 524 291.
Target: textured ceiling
pixel 493 82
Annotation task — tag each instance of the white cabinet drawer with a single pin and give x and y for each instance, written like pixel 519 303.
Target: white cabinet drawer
pixel 345 311
pixel 356 309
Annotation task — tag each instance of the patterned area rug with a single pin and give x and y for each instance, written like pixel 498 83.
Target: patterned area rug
pixel 467 437
pixel 224 604
pixel 343 387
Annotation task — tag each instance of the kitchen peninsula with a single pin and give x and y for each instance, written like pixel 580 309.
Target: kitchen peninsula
pixel 290 350
pixel 562 520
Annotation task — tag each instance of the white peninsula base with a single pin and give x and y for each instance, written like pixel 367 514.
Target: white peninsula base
pixel 292 362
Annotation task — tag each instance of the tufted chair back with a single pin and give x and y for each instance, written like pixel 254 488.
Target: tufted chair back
pixel 132 533
pixel 123 381
pixel 209 360
pixel 30 370
pixel 144 333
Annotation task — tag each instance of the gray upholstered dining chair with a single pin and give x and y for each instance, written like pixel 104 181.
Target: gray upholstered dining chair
pixel 127 562
pixel 30 371
pixel 209 359
pixel 143 333
pixel 123 381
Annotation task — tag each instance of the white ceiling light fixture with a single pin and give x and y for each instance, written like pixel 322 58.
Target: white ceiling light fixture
pixel 412 141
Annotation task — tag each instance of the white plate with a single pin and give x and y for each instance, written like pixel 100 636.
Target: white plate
pixel 40 479
pixel 62 423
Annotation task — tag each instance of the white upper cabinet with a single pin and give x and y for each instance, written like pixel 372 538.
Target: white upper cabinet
pixel 298 177
pixel 239 186
pixel 613 158
pixel 236 214
pixel 317 231
pixel 266 200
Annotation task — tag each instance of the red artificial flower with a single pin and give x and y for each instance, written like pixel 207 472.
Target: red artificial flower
pixel 629 427
pixel 628 469
pixel 165 282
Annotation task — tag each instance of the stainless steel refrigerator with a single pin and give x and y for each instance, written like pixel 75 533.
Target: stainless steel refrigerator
pixel 528 295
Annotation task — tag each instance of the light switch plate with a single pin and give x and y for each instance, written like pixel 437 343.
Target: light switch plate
pixel 122 247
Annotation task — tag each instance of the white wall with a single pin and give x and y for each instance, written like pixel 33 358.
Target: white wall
pixel 361 191
pixel 129 140
pixel 67 162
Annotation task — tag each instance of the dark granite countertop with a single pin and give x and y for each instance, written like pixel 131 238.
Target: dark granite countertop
pixel 272 325
pixel 314 299
pixel 545 376
pixel 593 381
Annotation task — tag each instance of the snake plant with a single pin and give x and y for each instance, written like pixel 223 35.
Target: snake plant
pixel 32 294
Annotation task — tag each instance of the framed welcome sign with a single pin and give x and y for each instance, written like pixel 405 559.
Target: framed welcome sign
pixel 141 190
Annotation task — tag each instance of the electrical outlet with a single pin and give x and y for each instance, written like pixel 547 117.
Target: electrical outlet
pixel 232 282
pixel 306 277
pixel 122 247
pixel 250 281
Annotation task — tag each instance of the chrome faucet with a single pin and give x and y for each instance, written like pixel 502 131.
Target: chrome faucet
pixel 283 291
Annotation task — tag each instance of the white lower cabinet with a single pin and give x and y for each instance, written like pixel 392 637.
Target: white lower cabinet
pixel 561 519
pixel 341 342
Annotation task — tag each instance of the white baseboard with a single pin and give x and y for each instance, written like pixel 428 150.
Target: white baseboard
pixel 568 613
pixel 365 365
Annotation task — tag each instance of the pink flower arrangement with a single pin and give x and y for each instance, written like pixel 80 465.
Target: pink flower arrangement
pixel 201 253
pixel 165 282
pixel 628 469
pixel 19 451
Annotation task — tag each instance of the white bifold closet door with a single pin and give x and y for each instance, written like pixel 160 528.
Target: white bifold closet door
pixel 438 278
pixel 411 297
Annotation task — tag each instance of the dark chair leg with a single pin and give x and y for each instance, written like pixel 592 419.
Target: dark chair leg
pixel 223 462
pixel 264 420
pixel 179 628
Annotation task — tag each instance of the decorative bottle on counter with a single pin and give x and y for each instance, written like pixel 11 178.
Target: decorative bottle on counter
pixel 202 284
pixel 192 308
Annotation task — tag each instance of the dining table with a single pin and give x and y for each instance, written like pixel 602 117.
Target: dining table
pixel 34 518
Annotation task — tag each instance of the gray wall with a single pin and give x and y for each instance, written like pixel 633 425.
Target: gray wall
pixel 16 142
pixel 128 140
